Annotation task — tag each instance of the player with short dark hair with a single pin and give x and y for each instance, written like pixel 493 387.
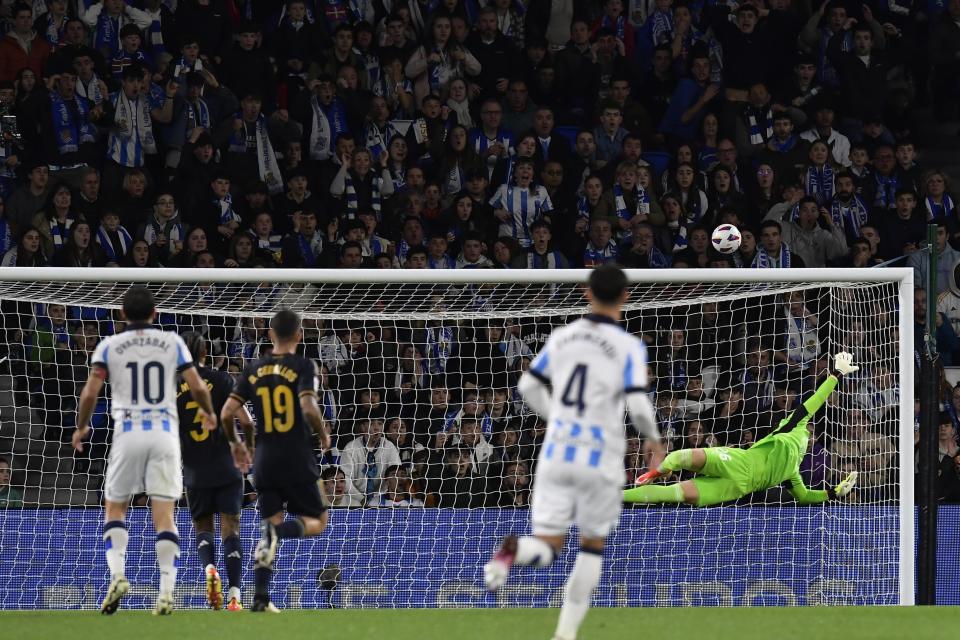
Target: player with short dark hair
pixel 214 484
pixel 283 390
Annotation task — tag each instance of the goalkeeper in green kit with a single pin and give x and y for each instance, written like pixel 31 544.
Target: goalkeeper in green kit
pixel 728 474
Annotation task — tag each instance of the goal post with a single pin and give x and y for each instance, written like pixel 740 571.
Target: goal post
pixel 433 357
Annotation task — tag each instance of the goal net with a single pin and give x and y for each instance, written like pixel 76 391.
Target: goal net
pixel 424 366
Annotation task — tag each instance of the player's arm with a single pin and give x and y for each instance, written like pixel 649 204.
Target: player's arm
pixel 88 400
pixel 639 408
pixel 310 408
pixel 805 495
pixel 245 420
pixel 843 365
pixel 200 393
pixel 228 415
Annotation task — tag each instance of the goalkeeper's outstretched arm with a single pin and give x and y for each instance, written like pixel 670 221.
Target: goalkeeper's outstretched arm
pixel 805 495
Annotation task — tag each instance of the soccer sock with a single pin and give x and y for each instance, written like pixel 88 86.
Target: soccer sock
pixel 290 529
pixel 654 493
pixel 261 581
pixel 206 548
pixel 533 551
pixel 682 459
pixel 115 542
pixel 233 558
pixel 577 593
pixel 168 550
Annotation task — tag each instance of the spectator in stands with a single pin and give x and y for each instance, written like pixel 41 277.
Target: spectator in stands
pixel 396 490
pixel 22 47
pixel 10 498
pixel 335 487
pixel 366 458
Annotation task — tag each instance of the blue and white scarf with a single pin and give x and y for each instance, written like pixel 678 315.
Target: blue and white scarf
pixel 593 257
pixel 434 71
pixel 371 64
pixel 656 259
pixel 53 33
pixel 759 134
pixel 123 238
pixel 61 232
pixel 350 192
pixel 329 121
pixel 850 216
pixel 225 207
pixel 445 262
pixel 783 147
pixel 440 345
pixel 267 165
pixel 7 240
pixel 583 207
pixel 90 90
pixel 819 184
pixel 550 260
pixel 763 260
pixel 643 202
pixel 311 248
pixel 619 29
pixel 661 27
pixel 679 236
pixel 198 115
pixel 886 190
pixel 272 244
pixel 107 33
pixel 183 67
pixel 939 210
pixel 69 132
pixel 376 139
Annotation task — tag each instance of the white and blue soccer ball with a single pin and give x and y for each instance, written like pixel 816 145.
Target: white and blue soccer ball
pixel 726 238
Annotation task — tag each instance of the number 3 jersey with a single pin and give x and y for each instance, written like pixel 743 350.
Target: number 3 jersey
pixel 590 366
pixel 284 445
pixel 142 365
pixel 207 461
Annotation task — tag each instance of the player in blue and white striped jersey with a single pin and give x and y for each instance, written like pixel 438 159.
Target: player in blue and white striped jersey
pixel 517 206
pixel 583 379
pixel 142 364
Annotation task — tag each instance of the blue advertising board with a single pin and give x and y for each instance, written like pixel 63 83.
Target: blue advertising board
pixel 764 556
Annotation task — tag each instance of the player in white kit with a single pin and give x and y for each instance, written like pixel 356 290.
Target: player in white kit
pixel 141 364
pixel 584 377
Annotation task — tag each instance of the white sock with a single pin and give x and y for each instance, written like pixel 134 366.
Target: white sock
pixel 533 551
pixel 168 550
pixel 234 593
pixel 577 593
pixel 115 541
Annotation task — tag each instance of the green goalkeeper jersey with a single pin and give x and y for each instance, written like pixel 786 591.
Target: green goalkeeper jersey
pixel 777 456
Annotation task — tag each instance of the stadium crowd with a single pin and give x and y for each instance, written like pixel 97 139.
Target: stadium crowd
pixel 459 134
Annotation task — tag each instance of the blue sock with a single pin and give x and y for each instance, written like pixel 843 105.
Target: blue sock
pixel 290 529
pixel 206 548
pixel 233 558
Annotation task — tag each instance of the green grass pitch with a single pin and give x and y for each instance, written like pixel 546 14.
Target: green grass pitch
pixel 805 623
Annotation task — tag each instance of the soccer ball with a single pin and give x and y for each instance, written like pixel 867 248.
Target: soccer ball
pixel 726 238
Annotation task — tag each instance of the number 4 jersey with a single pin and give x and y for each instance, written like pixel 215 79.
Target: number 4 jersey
pixel 142 365
pixel 590 366
pixel 284 446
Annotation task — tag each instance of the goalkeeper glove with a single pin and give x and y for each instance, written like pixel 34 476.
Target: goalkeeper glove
pixel 846 486
pixel 843 363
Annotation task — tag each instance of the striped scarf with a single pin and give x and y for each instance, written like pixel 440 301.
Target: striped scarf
pixel 819 184
pixel 272 243
pixel 439 348
pixel 886 190
pixel 183 67
pixel 90 90
pixel 549 260
pixel 225 207
pixel 107 32
pixel 376 138
pixel 434 69
pixel 942 209
pixel 6 237
pixel 679 233
pixel 619 29
pixel 61 232
pixel 351 194
pixel 763 260
pixel 198 115
pixel 759 135
pixel 54 33
pixel 70 132
pixel 656 259
pixel 643 202
pixel 267 166
pixel 850 216
pixel 115 248
pixel 583 207
pixel 371 64
pixel 593 257
pixel 661 27
pixel 329 121
pixel 310 248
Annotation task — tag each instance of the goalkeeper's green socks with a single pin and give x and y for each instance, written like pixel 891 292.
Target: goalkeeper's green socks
pixel 655 493
pixel 676 461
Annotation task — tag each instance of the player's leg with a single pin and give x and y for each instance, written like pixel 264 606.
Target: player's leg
pixel 712 491
pixel 270 503
pixel 681 460
pixel 115 539
pixel 551 510
pixel 168 550
pixel 200 500
pixel 229 502
pixel 677 493
pixel 598 510
pixel 164 484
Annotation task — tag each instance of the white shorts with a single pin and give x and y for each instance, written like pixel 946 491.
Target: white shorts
pixel 144 462
pixel 564 494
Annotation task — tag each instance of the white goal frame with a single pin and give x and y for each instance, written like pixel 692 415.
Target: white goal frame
pixel 903 277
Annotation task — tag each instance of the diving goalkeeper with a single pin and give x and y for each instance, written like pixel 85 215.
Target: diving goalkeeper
pixel 728 474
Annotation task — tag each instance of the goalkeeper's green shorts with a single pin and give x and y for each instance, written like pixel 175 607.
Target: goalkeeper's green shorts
pixel 726 475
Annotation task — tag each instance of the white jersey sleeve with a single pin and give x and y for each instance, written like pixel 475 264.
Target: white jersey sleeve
pixel 142 366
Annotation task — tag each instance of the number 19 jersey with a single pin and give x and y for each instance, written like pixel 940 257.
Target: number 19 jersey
pixel 590 365
pixel 142 365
